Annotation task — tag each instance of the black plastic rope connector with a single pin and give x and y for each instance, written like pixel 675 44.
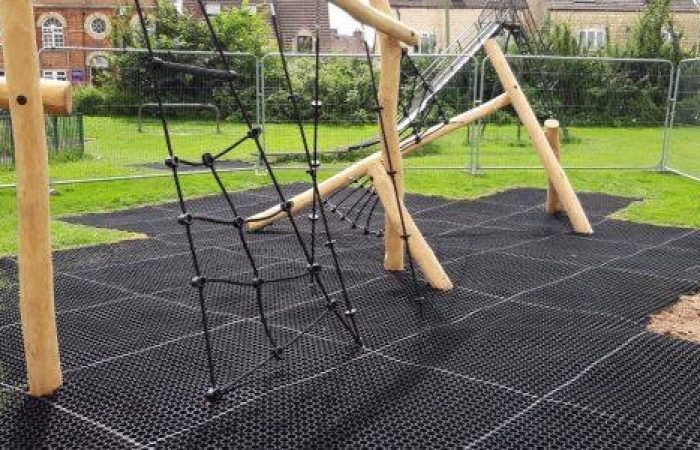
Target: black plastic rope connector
pixel 184 219
pixel 330 244
pixel 276 352
pixel 293 97
pixel 391 173
pixel 377 109
pixel 208 159
pixel 172 162
pixel 238 222
pixel 213 395
pixel 332 304
pixel 314 268
pixel 198 281
pixel 316 104
pixel 350 312
pixel 405 237
pixel 286 206
pixel 258 282
pixel 255 132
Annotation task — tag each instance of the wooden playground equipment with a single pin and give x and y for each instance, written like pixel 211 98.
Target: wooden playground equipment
pixel 391 33
pixel 27 98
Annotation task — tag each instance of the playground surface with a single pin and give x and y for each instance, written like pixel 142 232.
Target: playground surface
pixel 542 343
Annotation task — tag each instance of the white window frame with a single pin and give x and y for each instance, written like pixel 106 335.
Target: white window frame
pixel 52 36
pixel 55 74
pixel 592 39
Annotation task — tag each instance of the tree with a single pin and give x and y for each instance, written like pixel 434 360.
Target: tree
pixel 654 35
pixel 127 84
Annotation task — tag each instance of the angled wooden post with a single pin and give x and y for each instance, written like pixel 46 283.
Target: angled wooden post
pixel 560 181
pixel 551 130
pixel 35 265
pixel 389 84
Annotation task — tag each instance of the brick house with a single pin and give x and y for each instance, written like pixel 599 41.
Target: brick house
pixel 596 22
pixel 70 33
pixel 440 21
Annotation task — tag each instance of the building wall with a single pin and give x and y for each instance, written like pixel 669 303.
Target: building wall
pixel 434 21
pixel 619 24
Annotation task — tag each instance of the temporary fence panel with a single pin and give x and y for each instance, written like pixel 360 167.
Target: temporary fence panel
pixel 613 111
pixel 683 146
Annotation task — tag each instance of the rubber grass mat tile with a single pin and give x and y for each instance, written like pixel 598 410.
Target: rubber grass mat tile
pixel 542 343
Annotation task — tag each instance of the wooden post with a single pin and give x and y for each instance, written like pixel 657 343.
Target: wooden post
pixel 556 174
pixel 390 79
pixel 421 252
pixel 35 265
pixel 551 130
pixel 57 96
pixel 358 169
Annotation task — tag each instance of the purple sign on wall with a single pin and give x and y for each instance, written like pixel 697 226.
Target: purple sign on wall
pixel 77 75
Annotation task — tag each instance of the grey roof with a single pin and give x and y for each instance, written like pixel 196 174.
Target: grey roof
pixel 614 5
pixel 574 5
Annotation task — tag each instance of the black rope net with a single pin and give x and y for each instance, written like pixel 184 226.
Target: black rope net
pixel 338 305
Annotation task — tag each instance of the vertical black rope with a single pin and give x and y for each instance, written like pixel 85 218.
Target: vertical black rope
pixel 313 172
pixel 391 171
pixel 173 164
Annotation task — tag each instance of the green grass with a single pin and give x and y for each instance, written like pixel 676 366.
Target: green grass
pixel 668 199
pixel 115 148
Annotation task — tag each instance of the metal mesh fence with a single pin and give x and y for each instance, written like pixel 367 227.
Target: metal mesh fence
pixel 348 118
pixel 65 138
pixel 613 112
pixel 683 147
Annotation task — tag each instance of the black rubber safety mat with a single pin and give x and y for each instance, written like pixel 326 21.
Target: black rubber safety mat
pixel 541 344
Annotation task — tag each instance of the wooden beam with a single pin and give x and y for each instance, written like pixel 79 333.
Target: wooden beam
pixel 421 252
pixel 379 19
pixel 57 96
pixel 551 130
pixel 388 93
pixel 560 181
pixel 35 265
pixel 342 179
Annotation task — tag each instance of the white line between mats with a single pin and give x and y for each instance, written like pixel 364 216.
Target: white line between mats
pixel 79 416
pixel 554 391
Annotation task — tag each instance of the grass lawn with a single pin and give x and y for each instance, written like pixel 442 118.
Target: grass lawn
pixel 668 199
pixel 115 148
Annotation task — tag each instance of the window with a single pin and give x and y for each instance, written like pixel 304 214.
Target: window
pixel 305 43
pixel 213 9
pixel 55 74
pixel 592 39
pixel 97 25
pixel 427 44
pixel 52 33
pixel 669 36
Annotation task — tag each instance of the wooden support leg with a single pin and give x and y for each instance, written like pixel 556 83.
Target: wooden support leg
pixel 551 130
pixel 35 265
pixel 389 83
pixel 556 174
pixel 420 250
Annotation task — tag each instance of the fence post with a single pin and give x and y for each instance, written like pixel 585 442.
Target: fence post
pixel 670 110
pixel 81 132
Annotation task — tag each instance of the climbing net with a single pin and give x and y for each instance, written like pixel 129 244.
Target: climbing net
pixel 343 310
